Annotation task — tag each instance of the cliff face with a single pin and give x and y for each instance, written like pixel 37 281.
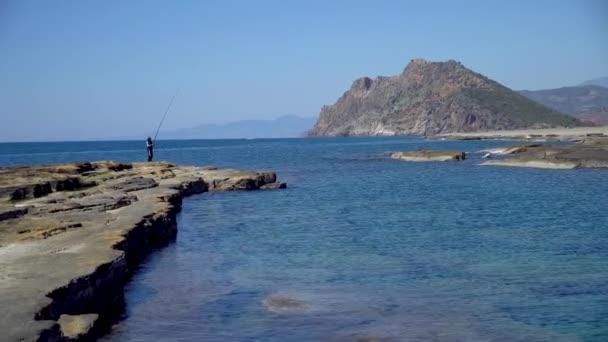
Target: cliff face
pixel 432 98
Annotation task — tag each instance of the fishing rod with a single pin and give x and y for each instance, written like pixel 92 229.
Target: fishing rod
pixel 165 114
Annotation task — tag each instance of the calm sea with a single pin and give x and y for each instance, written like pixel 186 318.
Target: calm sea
pixel 367 247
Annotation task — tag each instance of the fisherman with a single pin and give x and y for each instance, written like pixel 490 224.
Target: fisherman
pixel 150 145
pixel 150 142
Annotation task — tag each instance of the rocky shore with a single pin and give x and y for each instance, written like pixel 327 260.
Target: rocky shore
pixel 591 152
pixel 551 134
pixel 588 153
pixel 71 235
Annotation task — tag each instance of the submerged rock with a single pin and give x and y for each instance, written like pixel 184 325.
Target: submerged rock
pixel 273 186
pixel 284 304
pixel 429 155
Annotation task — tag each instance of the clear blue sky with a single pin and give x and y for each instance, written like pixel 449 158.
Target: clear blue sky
pixel 104 69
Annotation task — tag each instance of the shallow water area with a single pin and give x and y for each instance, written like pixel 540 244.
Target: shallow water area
pixel 362 247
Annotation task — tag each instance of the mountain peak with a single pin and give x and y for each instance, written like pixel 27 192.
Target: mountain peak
pixel 420 70
pixel 417 63
pixel 431 98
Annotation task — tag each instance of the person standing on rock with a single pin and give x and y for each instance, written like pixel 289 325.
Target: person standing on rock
pixel 150 145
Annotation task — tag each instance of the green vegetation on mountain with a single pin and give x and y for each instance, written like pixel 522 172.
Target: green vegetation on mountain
pixel 587 103
pixel 521 109
pixel 431 98
pixel 572 100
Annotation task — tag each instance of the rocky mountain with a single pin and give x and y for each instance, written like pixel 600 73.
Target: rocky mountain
pixel 587 102
pixel 431 98
pixel 287 126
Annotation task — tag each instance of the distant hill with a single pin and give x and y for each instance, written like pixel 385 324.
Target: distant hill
pixel 588 103
pixel 571 100
pixel 432 98
pixel 602 82
pixel 597 118
pixel 283 127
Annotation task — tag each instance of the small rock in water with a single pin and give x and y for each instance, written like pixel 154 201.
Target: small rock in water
pixel 429 155
pixel 282 304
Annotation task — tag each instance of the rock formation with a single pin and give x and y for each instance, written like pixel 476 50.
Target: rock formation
pixel 71 235
pixel 511 149
pixel 536 135
pixel 429 155
pixel 431 98
pixel 589 153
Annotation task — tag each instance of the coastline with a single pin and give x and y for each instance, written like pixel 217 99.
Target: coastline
pixel 548 134
pixel 71 236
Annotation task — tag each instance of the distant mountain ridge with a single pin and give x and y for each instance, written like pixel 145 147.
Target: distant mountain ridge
pixel 288 126
pixel 601 81
pixel 586 102
pixel 571 100
pixel 432 98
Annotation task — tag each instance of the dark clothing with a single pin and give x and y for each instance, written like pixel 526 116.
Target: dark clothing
pixel 150 146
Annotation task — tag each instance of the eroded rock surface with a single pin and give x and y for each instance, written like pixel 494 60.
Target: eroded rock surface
pixel 429 155
pixel 536 135
pixel 72 234
pixel 511 149
pixel 589 153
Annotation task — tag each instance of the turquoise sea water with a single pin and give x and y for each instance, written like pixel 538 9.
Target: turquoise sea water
pixel 367 246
